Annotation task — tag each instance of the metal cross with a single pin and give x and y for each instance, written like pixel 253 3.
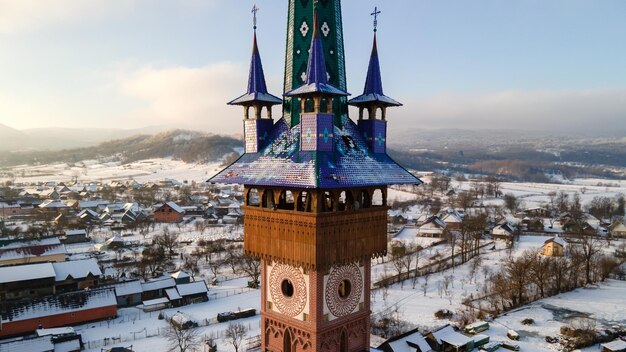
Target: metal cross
pixel 375 14
pixel 254 11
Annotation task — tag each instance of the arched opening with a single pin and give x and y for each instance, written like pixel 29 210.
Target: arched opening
pixel 324 105
pixel 328 202
pixel 343 342
pixel 287 341
pixel 286 200
pixel 309 105
pixel 346 201
pixel 363 200
pixel 378 198
pixel 253 198
pixel 304 202
pixel 268 199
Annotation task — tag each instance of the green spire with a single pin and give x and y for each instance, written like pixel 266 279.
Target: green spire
pixel 299 35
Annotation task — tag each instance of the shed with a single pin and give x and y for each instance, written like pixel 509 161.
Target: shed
pixel 614 346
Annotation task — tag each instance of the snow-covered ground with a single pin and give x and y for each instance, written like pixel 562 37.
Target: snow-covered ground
pixel 150 170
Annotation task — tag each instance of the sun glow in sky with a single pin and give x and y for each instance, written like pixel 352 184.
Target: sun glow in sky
pixel 474 64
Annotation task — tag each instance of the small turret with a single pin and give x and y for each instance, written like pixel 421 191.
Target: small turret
pixel 373 100
pixel 257 127
pixel 316 98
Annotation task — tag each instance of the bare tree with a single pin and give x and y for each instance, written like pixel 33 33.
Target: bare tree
pixel 181 339
pixel 235 334
pixel 252 267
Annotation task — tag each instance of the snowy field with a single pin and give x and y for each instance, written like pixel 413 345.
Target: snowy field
pixel 150 170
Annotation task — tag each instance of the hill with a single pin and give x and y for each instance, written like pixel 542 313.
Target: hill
pixel 183 145
pixel 11 138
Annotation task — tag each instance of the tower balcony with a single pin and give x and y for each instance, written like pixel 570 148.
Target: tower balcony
pixel 315 241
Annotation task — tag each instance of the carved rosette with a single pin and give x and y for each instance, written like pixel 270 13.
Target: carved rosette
pixel 290 306
pixel 341 306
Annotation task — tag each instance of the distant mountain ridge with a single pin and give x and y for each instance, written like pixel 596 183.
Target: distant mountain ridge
pixel 182 145
pixel 57 138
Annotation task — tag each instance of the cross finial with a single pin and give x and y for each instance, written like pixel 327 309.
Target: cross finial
pixel 375 14
pixel 254 11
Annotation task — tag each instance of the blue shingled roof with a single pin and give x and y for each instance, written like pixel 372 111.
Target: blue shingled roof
pixel 373 91
pixel 257 89
pixel 282 163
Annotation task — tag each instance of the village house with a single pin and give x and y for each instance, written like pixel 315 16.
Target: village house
pixel 452 218
pixel 503 232
pixel 128 293
pixel 532 225
pixel 75 236
pixel 38 251
pixel 432 227
pixel 58 310
pixel 412 341
pixel 76 275
pixel 169 212
pixel 618 230
pixel 447 339
pixel 554 247
pixel 193 292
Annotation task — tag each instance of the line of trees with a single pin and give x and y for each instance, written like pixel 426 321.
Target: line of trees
pixel 532 276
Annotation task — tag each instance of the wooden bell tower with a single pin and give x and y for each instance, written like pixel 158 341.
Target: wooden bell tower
pixel 315 210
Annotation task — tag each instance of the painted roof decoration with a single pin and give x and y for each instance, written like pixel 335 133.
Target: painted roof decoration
pixel 373 91
pixel 282 163
pixel 257 88
pixel 316 74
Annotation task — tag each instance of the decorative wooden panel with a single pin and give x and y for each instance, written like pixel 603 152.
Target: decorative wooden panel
pixel 315 241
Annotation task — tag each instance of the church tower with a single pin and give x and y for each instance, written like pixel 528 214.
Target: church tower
pixel 315 195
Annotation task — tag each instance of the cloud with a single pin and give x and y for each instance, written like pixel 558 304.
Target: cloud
pixel 599 110
pixel 185 96
pixel 26 15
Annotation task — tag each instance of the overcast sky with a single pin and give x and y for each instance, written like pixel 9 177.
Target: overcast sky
pixel 535 64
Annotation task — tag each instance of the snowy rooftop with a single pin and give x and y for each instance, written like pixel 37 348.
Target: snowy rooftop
pixel 30 250
pixel 410 343
pixel 175 207
pixel 448 335
pixel 75 232
pixel 26 272
pixel 615 345
pixel 59 304
pixel 158 284
pixel 179 275
pixel 76 269
pixel 56 331
pixel 157 301
pixel 172 294
pixel 192 288
pixel 351 163
pixel 36 344
pixel 128 288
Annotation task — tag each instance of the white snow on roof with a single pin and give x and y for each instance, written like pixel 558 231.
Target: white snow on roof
pixel 41 242
pixel 67 346
pixel 77 269
pixel 159 284
pixel 36 344
pixel 172 294
pixel 75 232
pixel 179 275
pixel 192 288
pixel 615 345
pixel 56 331
pixel 26 272
pixel 175 207
pixel 128 288
pixel 450 336
pixel 54 305
pixel 154 302
pixel 409 344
